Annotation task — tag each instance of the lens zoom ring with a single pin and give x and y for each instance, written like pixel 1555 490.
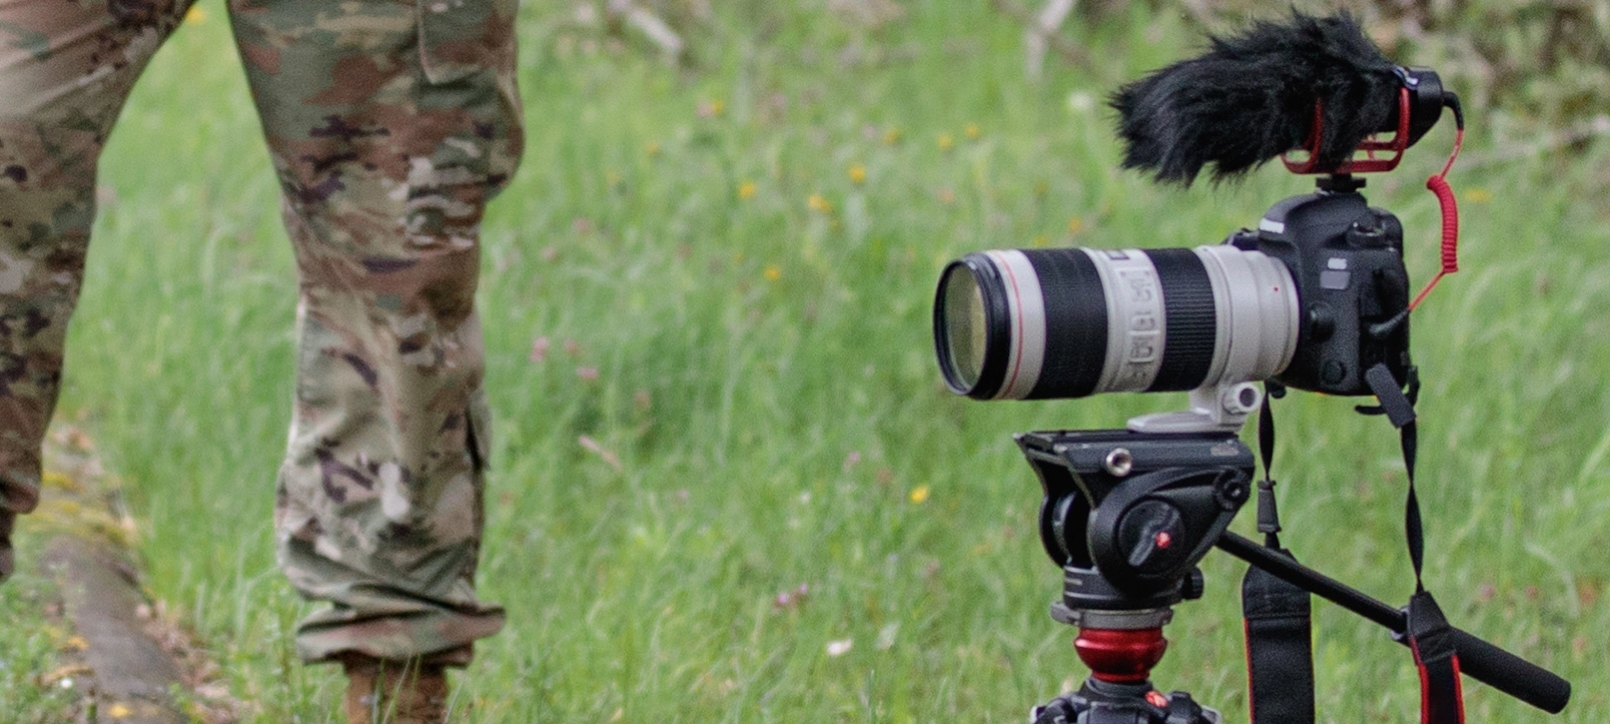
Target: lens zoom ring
pixel 1191 328
pixel 1076 323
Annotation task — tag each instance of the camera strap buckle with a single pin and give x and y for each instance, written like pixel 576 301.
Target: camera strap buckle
pixel 1437 658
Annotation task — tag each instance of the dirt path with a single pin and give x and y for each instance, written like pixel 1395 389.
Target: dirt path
pixel 127 673
pixel 131 662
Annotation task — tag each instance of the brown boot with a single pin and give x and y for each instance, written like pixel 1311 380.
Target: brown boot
pixel 7 562
pixel 394 692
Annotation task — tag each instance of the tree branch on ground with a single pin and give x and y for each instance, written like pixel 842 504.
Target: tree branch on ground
pixel 1040 33
pixel 649 25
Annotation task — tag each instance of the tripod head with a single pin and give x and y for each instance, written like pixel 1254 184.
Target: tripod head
pixel 1129 514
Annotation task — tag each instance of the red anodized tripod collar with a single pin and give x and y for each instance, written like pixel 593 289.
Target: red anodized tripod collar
pixel 1121 656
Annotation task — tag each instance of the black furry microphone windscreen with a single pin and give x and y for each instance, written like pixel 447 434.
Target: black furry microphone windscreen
pixel 1252 97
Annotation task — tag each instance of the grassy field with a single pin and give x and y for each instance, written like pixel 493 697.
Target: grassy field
pixel 732 488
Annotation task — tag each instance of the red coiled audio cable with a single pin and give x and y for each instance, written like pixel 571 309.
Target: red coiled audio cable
pixel 1438 185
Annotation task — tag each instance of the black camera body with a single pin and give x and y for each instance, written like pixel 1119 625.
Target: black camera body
pixel 1352 287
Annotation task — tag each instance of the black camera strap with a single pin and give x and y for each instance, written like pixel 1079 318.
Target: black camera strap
pixel 1430 637
pixel 1277 614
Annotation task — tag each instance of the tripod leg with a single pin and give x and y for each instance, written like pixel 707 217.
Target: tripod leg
pixel 1105 702
pixel 1060 710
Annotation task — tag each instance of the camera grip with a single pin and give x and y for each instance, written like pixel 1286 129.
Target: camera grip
pixel 1511 674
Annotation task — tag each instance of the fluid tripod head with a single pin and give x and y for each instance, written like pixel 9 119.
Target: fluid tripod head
pixel 1128 515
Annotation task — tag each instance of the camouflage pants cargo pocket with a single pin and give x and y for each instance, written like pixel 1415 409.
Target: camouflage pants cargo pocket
pixel 458 38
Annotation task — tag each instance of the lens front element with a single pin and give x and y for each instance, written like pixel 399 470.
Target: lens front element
pixel 964 326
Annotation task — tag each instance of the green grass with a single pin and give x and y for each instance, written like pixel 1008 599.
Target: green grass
pixel 765 381
pixel 33 644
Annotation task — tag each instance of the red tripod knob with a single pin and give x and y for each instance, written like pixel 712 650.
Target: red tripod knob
pixel 1121 655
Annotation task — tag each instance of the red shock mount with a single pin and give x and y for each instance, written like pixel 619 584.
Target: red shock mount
pixel 1371 162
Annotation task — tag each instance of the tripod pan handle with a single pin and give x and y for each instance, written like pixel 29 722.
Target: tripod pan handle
pixel 1478 659
pixel 1511 674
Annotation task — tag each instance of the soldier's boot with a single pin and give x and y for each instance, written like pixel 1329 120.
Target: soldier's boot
pixel 394 692
pixel 7 562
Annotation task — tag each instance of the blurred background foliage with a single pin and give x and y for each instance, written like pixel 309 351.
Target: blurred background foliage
pixel 1542 62
pixel 1540 69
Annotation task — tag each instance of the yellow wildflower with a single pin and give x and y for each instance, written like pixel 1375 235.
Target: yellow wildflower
pixel 918 494
pixel 817 203
pixel 195 15
pixel 1075 225
pixel 946 142
pixel 710 108
pixel 1478 196
pixel 891 135
pixel 53 479
pixel 973 131
pixel 773 272
pixel 858 173
pixel 746 190
pixel 652 148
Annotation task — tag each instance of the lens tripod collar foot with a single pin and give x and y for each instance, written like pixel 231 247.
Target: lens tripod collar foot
pixel 1218 408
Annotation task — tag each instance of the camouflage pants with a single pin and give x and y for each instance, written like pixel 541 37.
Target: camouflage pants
pixel 390 123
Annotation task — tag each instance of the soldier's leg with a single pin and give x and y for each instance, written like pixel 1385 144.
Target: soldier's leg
pixel 390 123
pixel 66 66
